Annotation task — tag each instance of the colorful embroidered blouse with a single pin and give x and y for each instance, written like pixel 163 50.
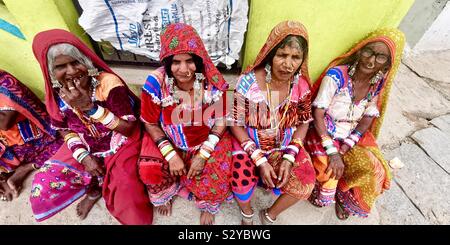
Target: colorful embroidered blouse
pixel 159 107
pixel 251 111
pixel 30 139
pixel 335 96
pixel 111 94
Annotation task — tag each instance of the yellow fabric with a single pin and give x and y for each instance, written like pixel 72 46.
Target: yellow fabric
pixel 107 81
pixel 366 170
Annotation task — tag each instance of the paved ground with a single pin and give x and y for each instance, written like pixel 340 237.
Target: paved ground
pixel 416 130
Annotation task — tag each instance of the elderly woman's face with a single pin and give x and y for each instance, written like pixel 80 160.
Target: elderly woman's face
pixel 373 57
pixel 183 68
pixel 69 70
pixel 286 61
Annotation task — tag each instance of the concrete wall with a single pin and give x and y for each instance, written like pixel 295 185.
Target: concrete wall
pixel 333 26
pixel 28 17
pixel 437 37
pixel 419 19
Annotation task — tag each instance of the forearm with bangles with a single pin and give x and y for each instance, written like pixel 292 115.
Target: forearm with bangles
pixel 255 153
pixel 208 146
pixel 76 146
pixel 166 148
pixel 292 150
pixel 353 138
pixel 328 145
pixel 104 116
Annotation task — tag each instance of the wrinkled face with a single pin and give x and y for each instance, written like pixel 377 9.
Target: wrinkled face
pixel 68 69
pixel 373 57
pixel 183 68
pixel 7 119
pixel 286 62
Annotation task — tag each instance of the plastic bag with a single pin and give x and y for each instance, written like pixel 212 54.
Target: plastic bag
pixel 135 25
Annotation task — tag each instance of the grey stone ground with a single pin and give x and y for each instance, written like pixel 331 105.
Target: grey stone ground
pixel 416 130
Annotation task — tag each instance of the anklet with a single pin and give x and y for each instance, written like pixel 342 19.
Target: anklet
pixel 248 216
pixel 94 197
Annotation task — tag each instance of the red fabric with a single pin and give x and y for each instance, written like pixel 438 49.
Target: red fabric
pixel 124 194
pixel 180 38
pixel 42 42
pixel 150 111
pixel 212 185
pixel 150 162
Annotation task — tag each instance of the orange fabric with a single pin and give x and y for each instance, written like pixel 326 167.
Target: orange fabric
pixel 12 136
pixel 107 81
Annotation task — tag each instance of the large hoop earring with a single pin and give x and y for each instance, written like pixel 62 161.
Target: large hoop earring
pixel 352 70
pixel 375 79
pixel 268 69
pixel 170 84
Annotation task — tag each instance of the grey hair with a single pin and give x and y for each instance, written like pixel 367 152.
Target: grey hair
pixel 66 49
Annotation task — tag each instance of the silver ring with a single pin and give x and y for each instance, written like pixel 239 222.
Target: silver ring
pixel 71 88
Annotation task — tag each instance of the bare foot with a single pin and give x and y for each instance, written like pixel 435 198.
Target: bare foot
pixel 16 180
pixel 166 209
pixel 6 194
pixel 87 204
pixel 206 218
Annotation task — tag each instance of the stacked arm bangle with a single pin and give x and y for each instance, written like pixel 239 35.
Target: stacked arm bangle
pixel 74 143
pixel 208 146
pixel 104 116
pixel 328 145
